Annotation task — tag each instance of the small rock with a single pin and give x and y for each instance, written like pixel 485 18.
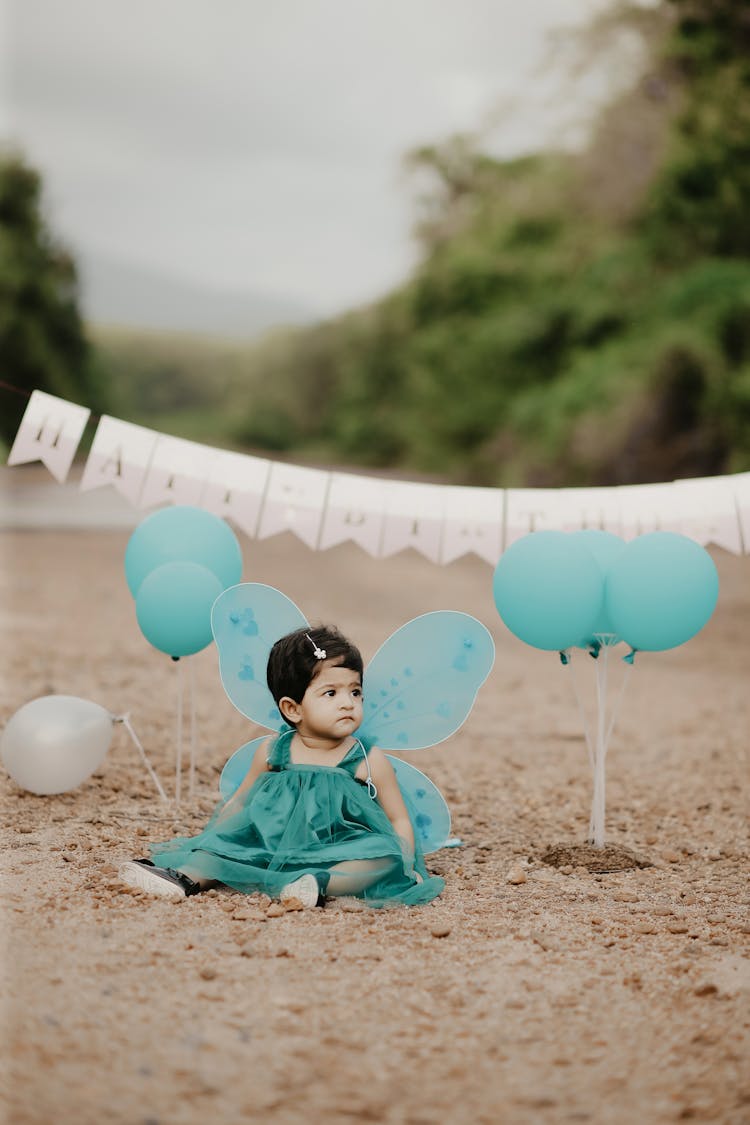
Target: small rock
pixel 544 941
pixel 292 904
pixel 440 931
pixel 247 950
pixel 625 896
pixel 208 973
pixel 351 905
pixel 644 928
pixel 706 988
pixel 516 876
pixel 677 927
pixel 715 919
pixel 671 857
pixel 248 914
pixel 275 910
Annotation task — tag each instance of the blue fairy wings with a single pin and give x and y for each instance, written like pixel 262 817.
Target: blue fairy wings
pixel 247 620
pixel 418 689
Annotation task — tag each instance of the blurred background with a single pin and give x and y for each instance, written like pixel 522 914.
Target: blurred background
pixel 475 243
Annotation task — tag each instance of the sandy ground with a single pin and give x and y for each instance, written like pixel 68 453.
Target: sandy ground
pixel 562 996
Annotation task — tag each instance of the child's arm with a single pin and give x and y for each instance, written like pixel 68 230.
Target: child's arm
pixel 391 801
pixel 258 766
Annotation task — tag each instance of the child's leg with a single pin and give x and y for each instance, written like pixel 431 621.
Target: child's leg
pixel 356 875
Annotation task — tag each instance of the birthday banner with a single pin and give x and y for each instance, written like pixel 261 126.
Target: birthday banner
pixel 323 509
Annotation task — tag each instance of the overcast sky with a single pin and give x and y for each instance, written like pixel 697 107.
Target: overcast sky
pixel 253 146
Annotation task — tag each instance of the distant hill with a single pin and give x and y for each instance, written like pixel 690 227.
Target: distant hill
pixel 116 293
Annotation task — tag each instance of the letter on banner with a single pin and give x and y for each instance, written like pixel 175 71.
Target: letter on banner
pixel 530 509
pixel 50 432
pixel 234 488
pixel 177 472
pixel 413 518
pixel 647 507
pixel 581 508
pixel 706 509
pixel 294 502
pixel 354 511
pixel 119 455
pixel 473 523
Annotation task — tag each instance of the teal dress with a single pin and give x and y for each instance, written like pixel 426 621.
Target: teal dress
pixel 299 819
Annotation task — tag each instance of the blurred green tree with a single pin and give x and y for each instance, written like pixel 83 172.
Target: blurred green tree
pixel 42 340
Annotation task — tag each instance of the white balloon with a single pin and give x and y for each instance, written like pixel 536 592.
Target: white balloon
pixel 54 743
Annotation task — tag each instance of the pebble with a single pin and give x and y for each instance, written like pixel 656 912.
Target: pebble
pixel 677 927
pixel 625 896
pixel 516 876
pixel 351 905
pixel 644 928
pixel 544 941
pixel 208 973
pixel 671 857
pixel 706 988
pixel 248 914
pixel 275 910
pixel 440 931
pixel 292 904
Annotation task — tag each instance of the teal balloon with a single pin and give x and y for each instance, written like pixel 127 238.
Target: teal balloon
pixel 173 607
pixel 183 534
pixel 661 590
pixel 549 589
pixel 605 547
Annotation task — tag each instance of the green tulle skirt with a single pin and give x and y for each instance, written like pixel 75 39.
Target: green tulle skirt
pixel 297 820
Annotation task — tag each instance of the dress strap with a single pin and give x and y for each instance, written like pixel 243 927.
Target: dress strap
pixel 278 754
pixel 371 787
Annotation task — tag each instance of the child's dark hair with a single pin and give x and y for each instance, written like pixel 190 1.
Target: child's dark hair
pixel 293 665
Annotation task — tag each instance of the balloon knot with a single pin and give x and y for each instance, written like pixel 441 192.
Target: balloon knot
pixel 630 656
pixel 564 658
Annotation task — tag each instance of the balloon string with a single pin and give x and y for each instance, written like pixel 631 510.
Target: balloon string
pixel 616 708
pixel 581 711
pixel 191 686
pixel 178 755
pixel 125 720
pixel 596 825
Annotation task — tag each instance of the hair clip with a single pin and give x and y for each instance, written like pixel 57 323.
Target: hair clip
pixel 320 653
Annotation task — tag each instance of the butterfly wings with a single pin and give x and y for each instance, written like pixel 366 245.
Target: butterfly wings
pixel 247 620
pixel 422 682
pixel 418 688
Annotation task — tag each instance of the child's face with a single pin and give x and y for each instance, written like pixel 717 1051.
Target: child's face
pixel 332 705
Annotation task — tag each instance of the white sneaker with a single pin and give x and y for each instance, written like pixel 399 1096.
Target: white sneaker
pixel 305 889
pixel 159 881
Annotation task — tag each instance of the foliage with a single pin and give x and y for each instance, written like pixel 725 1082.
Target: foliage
pixel 42 341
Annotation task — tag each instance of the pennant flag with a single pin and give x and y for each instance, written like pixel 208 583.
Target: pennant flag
pixel 706 511
pixel 50 431
pixel 234 488
pixel 354 511
pixel 120 456
pixel 295 498
pixel 473 523
pixel 647 507
pixel 529 509
pixel 177 472
pixel 413 518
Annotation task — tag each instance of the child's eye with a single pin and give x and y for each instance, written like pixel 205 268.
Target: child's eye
pixel 357 693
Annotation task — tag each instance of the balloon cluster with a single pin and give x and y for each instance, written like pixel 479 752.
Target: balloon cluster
pixel 177 562
pixel 556 590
